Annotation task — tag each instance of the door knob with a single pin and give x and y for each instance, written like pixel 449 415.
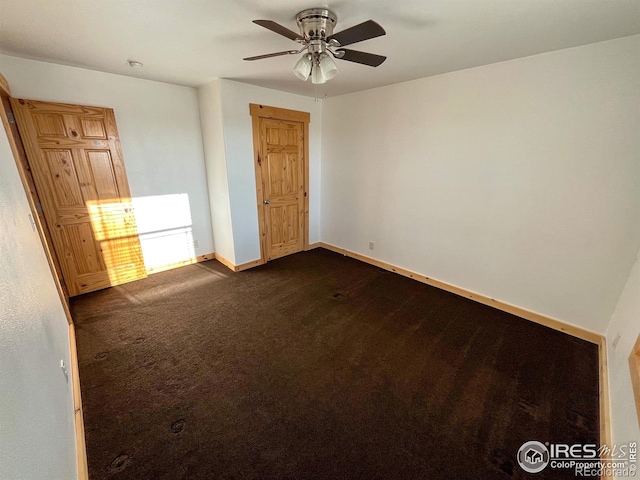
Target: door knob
pixel 267 202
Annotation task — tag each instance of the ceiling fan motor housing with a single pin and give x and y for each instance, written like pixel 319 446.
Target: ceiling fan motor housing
pixel 316 23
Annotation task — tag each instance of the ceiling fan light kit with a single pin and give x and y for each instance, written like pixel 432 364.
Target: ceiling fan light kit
pixel 302 69
pixel 320 45
pixel 327 66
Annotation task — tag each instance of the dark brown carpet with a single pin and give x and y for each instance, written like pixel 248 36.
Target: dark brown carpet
pixel 320 366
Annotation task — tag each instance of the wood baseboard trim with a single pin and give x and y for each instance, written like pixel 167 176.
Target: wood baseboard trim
pixel 81 447
pixel 634 371
pixel 190 261
pixel 603 395
pixel 255 263
pixel 248 265
pixel 550 322
pixel 204 258
pixel 237 268
pixel 584 334
pixel 225 262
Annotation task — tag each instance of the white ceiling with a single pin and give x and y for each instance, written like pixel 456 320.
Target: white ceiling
pixel 191 42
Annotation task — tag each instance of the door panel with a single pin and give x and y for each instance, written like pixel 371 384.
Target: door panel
pixel 58 165
pixel 79 238
pixel 282 169
pixel 93 128
pixel 49 125
pixel 75 156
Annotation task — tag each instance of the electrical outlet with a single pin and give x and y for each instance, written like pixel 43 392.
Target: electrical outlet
pixel 616 340
pixel 371 245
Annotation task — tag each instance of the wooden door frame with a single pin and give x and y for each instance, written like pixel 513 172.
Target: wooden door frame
pixel 28 183
pixel 24 171
pixel 257 112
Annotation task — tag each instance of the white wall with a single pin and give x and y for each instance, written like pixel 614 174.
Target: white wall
pixel 210 105
pixel 161 140
pixel 238 142
pixel 625 323
pixel 37 436
pixel 518 180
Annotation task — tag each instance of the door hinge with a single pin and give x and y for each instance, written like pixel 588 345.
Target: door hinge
pixel 11 117
pixel 38 206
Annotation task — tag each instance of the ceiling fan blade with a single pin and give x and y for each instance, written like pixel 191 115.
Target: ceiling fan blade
pixel 277 28
pixel 358 33
pixel 269 55
pixel 364 58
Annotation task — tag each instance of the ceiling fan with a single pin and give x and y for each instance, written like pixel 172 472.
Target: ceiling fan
pixel 321 44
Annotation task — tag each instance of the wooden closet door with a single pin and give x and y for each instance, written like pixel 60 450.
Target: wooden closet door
pixel 74 154
pixel 282 165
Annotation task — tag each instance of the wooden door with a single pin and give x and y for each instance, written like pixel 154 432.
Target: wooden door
pixel 74 154
pixel 32 194
pixel 282 170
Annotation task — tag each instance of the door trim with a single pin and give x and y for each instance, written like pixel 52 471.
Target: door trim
pixel 15 142
pixel 257 112
pixel 28 183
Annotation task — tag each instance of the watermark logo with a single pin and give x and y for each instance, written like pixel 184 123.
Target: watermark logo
pixel 533 456
pixel 585 460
